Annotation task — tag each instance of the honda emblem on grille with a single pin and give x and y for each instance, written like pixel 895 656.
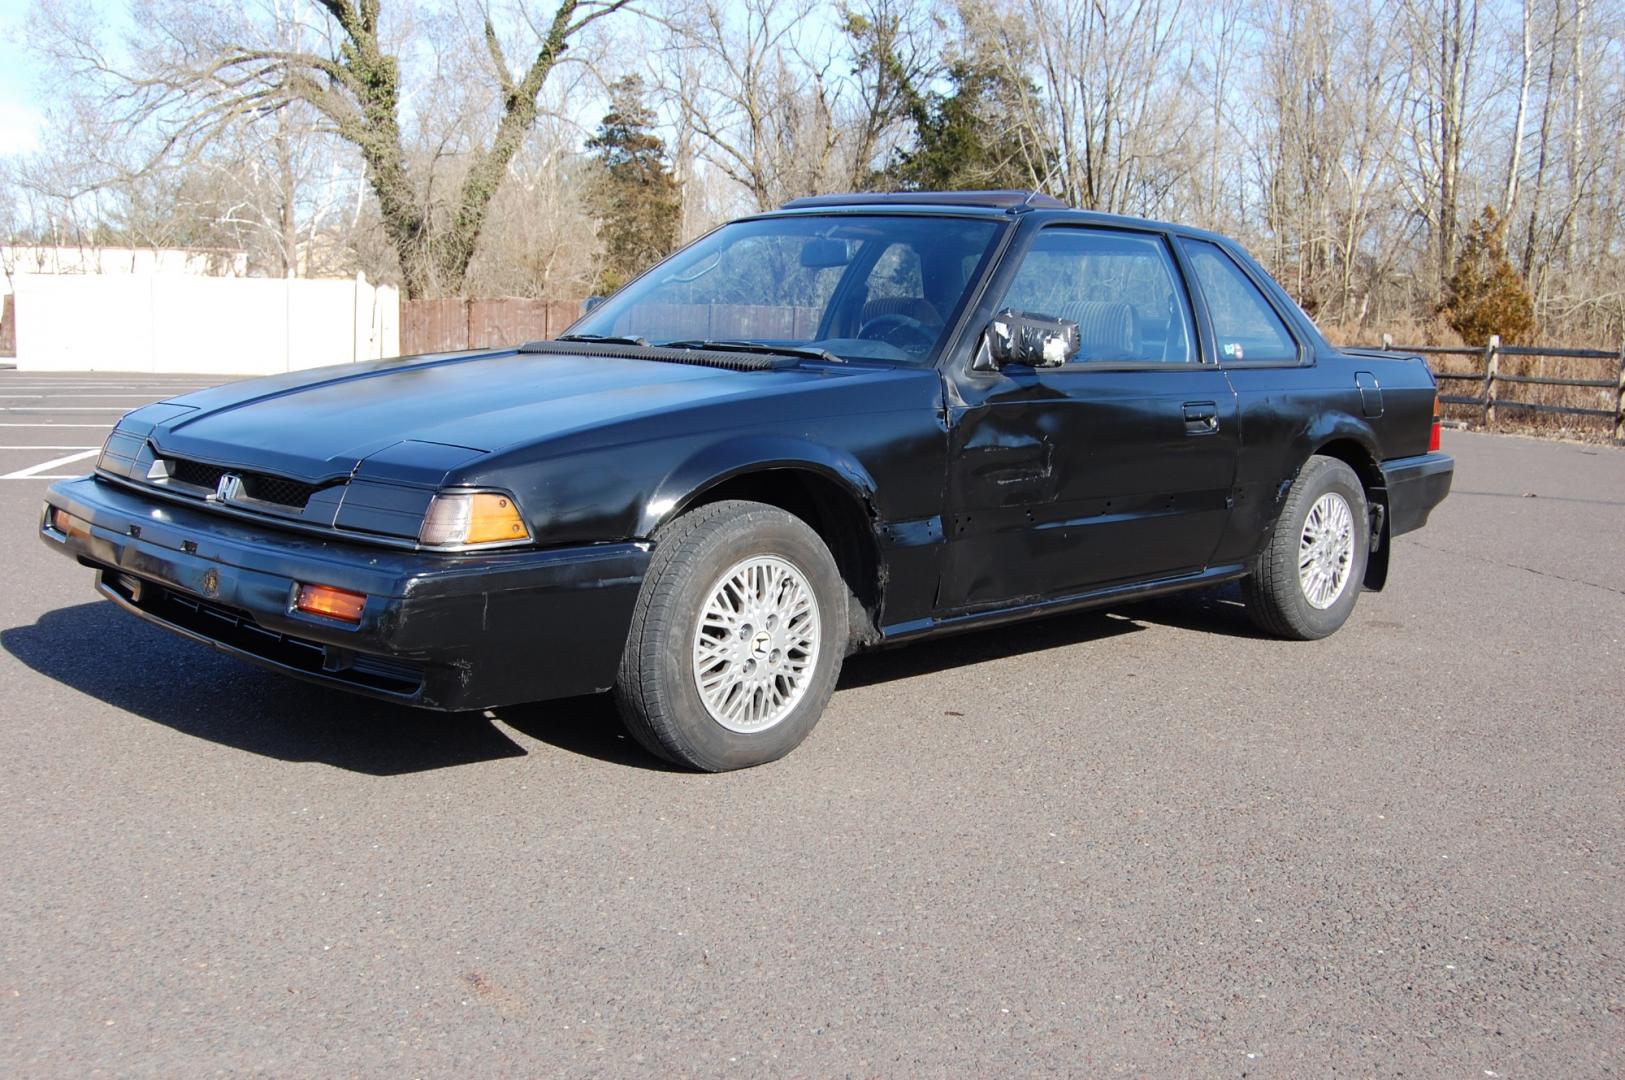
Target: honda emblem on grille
pixel 229 489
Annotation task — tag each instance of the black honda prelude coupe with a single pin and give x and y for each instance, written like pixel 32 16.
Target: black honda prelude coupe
pixel 853 422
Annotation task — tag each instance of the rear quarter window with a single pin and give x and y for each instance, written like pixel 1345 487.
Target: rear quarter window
pixel 1245 326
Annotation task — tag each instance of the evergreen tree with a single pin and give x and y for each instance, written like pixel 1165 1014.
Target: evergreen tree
pixel 968 136
pixel 635 196
pixel 1485 295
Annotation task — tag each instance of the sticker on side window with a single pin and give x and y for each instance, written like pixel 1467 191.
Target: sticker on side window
pixel 1231 350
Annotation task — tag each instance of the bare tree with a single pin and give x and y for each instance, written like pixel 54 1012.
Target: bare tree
pixel 199 69
pixel 759 108
pixel 895 53
pixel 1341 140
pixel 1443 36
pixel 1525 70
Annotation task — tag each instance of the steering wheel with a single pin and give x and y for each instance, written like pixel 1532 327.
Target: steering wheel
pixel 899 331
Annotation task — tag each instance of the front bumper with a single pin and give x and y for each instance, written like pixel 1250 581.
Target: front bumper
pixel 1415 485
pixel 439 631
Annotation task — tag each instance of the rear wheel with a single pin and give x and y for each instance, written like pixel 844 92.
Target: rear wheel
pixel 1308 575
pixel 737 638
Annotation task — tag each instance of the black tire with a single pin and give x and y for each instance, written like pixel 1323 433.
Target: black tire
pixel 1274 593
pixel 655 689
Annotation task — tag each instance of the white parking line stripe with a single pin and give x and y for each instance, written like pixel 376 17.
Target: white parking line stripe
pixel 115 383
pixel 35 470
pixel 131 379
pixel 103 386
pixel 47 448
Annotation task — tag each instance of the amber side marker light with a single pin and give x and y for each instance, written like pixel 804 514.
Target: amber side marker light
pixel 1433 439
pixel 330 602
pixel 68 525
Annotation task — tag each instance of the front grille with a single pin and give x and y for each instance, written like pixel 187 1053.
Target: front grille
pixel 277 489
pixel 261 487
pixel 195 473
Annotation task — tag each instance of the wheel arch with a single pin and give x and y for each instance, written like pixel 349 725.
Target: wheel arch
pixel 1356 447
pixel 829 491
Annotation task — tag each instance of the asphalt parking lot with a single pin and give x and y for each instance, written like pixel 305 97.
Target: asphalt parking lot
pixel 1140 842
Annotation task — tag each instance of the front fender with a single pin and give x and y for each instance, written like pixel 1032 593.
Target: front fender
pixel 721 461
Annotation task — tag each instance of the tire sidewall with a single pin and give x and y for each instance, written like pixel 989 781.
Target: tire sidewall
pixel 1329 476
pixel 756 533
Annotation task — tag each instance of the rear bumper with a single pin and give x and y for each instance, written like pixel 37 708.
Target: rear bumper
pixel 1415 485
pixel 446 632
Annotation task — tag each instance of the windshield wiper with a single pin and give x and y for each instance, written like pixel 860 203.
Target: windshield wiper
pixel 604 339
pixel 756 347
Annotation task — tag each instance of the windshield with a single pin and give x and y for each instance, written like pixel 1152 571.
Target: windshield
pixel 882 287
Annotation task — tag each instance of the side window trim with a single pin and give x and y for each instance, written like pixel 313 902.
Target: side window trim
pixel 1194 284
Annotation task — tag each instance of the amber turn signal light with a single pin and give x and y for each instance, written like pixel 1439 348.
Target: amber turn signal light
pixel 68 525
pixel 459 519
pixel 494 517
pixel 330 602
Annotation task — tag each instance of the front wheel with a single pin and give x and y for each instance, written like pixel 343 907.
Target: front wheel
pixel 737 638
pixel 1308 575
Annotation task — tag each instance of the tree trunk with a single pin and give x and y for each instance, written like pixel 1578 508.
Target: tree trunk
pixel 1515 164
pixel 1541 157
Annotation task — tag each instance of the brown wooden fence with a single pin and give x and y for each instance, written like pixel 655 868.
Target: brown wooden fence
pixel 429 326
pixel 1518 382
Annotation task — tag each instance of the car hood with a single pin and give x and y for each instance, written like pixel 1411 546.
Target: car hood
pixel 321 425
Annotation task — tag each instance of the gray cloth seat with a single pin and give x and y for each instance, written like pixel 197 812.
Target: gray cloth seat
pixel 1105 329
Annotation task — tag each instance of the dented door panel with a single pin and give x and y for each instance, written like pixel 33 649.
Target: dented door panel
pixel 1074 478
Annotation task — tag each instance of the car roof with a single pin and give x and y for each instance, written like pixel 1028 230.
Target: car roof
pixel 999 199
pixel 995 203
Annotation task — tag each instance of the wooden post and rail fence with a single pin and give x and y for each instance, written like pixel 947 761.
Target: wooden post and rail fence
pixel 1590 386
pixel 1598 375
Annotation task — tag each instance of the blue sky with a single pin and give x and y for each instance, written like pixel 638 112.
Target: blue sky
pixel 19 109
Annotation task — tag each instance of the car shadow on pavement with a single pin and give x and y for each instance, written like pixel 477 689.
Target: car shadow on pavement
pixel 587 726
pixel 1216 609
pixel 99 651
pixel 981 646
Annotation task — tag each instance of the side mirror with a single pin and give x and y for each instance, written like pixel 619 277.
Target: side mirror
pixel 1017 337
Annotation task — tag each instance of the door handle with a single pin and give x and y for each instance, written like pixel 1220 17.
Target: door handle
pixel 1201 417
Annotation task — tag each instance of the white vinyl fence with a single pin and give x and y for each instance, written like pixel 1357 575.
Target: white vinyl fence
pixel 216 326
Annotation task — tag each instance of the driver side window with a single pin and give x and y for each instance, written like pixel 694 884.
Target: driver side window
pixel 1119 287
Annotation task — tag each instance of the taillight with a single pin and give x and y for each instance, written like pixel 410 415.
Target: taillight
pixel 1433 439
